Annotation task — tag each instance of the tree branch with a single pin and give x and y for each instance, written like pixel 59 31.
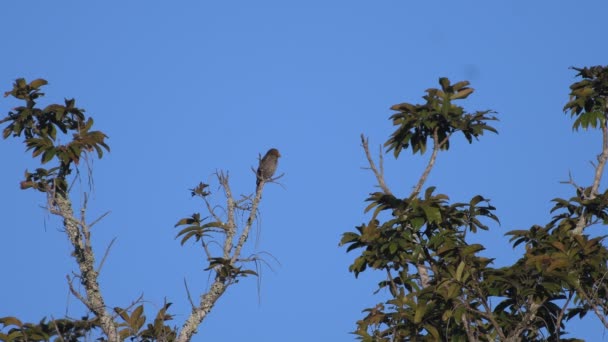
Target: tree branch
pixel 436 147
pixel 599 171
pixel 378 173
pixel 79 235
pixel 231 252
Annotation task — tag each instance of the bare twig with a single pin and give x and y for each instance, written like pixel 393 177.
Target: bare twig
pixel 99 219
pixel 76 293
pixel 437 145
pixel 206 248
pixel 378 172
pixel 189 296
pixel 105 255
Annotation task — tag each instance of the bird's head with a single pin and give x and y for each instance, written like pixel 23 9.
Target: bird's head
pixel 273 152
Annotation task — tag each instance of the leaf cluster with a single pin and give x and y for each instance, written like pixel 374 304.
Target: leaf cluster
pixel 65 330
pixel 134 327
pixel 424 232
pixel 438 118
pixel 589 97
pixel 40 128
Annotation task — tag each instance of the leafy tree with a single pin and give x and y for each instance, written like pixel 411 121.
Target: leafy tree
pixel 43 129
pixel 439 286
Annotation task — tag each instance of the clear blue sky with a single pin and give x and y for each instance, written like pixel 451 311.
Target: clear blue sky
pixel 184 88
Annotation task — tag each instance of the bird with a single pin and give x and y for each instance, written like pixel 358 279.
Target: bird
pixel 268 166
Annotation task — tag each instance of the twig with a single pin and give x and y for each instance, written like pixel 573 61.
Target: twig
pixel 189 296
pixel 105 255
pixel 379 174
pixel 76 293
pixel 57 328
pixel 560 316
pixel 99 219
pixel 436 147
pixel 206 248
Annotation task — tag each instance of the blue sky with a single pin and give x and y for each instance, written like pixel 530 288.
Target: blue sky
pixel 185 88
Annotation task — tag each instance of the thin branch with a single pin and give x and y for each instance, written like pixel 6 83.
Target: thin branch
pixel 99 219
pixel 76 293
pixel 206 248
pixel 599 170
pixel 250 220
pixel 105 255
pixel 211 210
pixel 189 296
pixel 467 328
pixel 600 313
pixel 560 316
pixel 139 299
pixel 528 317
pixel 437 145
pixel 57 328
pixel 372 165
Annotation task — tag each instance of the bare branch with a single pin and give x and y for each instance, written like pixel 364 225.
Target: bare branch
pixel 57 329
pixel 378 172
pixel 99 219
pixel 105 255
pixel 206 248
pixel 76 293
pixel 437 145
pixel 189 296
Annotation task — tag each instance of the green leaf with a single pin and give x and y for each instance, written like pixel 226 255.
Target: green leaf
pixel 433 215
pixel 37 83
pixel 48 155
pixel 459 271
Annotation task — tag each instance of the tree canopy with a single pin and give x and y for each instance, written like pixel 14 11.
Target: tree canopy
pixel 441 286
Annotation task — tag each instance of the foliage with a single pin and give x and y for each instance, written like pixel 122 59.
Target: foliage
pixel 438 118
pixel 439 285
pixel 40 128
pixel 62 329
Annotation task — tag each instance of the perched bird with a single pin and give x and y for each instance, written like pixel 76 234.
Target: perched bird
pixel 268 165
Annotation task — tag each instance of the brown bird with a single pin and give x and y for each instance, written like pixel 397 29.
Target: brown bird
pixel 268 166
